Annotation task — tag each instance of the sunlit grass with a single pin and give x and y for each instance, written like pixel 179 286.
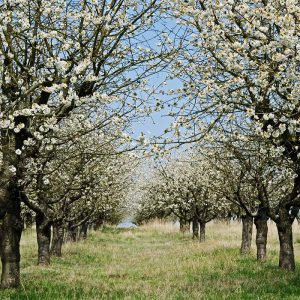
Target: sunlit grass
pixel 157 262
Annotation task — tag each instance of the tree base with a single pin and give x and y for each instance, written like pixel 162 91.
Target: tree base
pixel 10 275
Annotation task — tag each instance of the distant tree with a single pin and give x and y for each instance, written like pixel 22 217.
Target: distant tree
pixel 182 188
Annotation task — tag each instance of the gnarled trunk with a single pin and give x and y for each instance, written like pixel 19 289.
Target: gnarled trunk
pixel 57 239
pixel 202 231
pixel 184 226
pixel 247 222
pixel 195 228
pixel 10 235
pixel 286 254
pixel 43 231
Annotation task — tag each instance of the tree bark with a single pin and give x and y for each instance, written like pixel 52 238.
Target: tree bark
pixel 83 231
pixel 247 222
pixel 43 230
pixel 28 220
pixel 195 228
pixel 57 239
pixel 286 254
pixel 202 231
pixel 71 234
pixel 184 226
pixel 10 235
pixel 10 213
pixel 261 238
pixel 98 224
pixel 261 224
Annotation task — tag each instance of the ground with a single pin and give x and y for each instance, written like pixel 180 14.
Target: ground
pixel 157 262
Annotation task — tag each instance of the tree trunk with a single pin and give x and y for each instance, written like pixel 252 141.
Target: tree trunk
pixel 261 224
pixel 28 220
pixel 43 230
pixel 10 235
pixel 195 228
pixel 184 226
pixel 57 239
pixel 286 254
pixel 71 234
pixel 98 224
pixel 202 231
pixel 83 231
pixel 247 222
pixel 228 218
pixel 261 238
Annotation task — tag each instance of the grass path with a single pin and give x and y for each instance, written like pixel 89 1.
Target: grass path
pixel 156 262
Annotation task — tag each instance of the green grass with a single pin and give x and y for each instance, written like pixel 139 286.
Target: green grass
pixel 156 262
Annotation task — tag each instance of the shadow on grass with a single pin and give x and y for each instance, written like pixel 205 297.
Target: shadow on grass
pixel 244 278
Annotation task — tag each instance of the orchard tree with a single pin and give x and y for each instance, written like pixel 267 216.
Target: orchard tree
pixel 247 175
pixel 182 188
pixel 73 181
pixel 242 59
pixel 144 200
pixel 148 207
pixel 56 57
pixel 188 183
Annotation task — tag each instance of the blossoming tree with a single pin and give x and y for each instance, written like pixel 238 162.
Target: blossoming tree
pixel 57 57
pixel 242 58
pixel 181 187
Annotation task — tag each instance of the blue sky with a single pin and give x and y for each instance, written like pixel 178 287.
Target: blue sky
pixel 158 121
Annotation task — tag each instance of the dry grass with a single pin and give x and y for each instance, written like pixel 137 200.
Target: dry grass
pixel 157 262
